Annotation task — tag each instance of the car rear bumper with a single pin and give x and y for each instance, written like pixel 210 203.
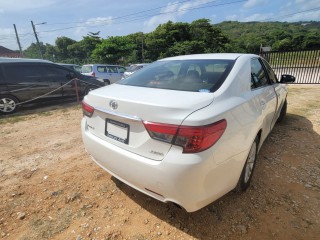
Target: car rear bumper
pixel 189 180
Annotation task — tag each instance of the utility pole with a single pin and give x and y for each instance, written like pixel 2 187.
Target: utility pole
pixel 35 34
pixel 15 29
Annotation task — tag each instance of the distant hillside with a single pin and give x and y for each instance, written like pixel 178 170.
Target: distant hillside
pixel 249 36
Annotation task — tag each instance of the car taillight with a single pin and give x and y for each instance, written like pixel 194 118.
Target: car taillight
pixel 193 139
pixel 87 109
pixel 93 74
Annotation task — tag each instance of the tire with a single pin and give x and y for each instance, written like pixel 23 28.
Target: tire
pixel 283 112
pixel 106 82
pixel 247 171
pixel 8 104
pixel 88 89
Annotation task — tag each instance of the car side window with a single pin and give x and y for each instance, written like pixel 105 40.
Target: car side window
pixel 54 74
pixel 112 69
pixel 122 69
pixel 22 73
pixel 272 76
pixel 258 75
pixel 102 69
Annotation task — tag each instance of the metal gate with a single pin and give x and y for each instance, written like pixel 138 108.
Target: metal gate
pixel 304 65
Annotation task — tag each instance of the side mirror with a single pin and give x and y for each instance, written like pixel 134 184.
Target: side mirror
pixel 286 78
pixel 71 76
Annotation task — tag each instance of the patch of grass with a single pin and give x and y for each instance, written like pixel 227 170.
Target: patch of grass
pixel 12 119
pixel 46 228
pixel 45 114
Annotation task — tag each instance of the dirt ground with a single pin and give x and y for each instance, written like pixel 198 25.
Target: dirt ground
pixel 51 189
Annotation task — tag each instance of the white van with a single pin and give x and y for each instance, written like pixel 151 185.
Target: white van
pixel 109 73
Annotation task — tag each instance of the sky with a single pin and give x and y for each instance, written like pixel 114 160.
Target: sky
pixel 76 18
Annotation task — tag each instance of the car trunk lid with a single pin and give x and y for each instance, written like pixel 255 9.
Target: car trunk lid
pixel 120 111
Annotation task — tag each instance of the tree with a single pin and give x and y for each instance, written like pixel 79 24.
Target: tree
pixel 113 50
pixel 212 38
pixel 62 51
pixel 170 39
pixel 33 50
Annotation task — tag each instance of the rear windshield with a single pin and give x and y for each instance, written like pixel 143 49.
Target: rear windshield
pixel 182 75
pixel 86 69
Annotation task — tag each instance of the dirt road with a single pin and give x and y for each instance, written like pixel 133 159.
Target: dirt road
pixel 51 189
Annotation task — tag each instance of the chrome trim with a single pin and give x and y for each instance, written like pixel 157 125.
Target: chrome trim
pixel 122 115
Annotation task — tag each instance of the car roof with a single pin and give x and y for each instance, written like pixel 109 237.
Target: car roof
pixel 97 64
pixel 139 64
pixel 7 60
pixel 67 64
pixel 224 56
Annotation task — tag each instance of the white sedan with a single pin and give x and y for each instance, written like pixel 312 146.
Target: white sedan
pixel 185 129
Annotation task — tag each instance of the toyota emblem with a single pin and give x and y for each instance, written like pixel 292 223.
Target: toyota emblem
pixel 113 104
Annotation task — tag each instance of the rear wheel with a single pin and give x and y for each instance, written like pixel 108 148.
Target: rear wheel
pixel 8 104
pixel 247 171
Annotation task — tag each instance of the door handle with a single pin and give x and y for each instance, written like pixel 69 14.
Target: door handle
pixel 263 104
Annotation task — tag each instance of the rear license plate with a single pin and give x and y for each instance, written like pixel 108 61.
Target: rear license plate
pixel 117 130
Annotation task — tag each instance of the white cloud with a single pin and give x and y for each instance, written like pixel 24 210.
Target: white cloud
pixel 99 21
pixel 254 3
pixel 306 16
pixel 232 17
pixel 8 38
pixel 171 12
pixel 257 17
pixel 307 4
pixel 252 18
pixel 166 14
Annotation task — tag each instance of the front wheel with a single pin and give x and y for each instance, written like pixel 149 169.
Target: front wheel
pixel 88 89
pixel 247 171
pixel 283 112
pixel 8 104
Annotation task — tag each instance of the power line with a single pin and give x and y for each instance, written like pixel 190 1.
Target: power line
pixel 152 15
pixel 292 14
pixel 124 16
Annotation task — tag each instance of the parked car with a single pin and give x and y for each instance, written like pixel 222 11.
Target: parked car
pixel 133 68
pixel 109 73
pixel 25 81
pixel 74 67
pixel 186 129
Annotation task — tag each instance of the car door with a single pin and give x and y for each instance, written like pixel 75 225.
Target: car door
pixel 62 78
pixel 279 89
pixel 112 73
pixel 28 81
pixel 265 93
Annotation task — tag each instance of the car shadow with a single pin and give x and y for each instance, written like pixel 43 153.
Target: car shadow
pixel 42 107
pixel 234 213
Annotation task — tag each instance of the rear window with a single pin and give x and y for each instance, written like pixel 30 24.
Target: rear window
pixel 182 75
pixel 86 69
